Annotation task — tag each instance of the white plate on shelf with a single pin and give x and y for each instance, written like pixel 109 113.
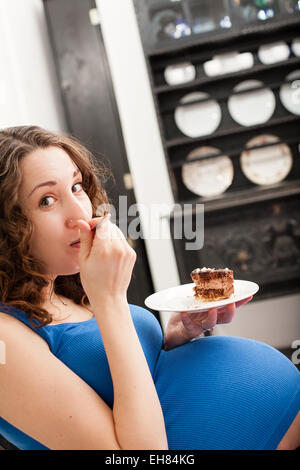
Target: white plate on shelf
pixel 181 298
pixel 179 73
pixel 252 107
pixel 296 47
pixel 272 53
pixel 228 63
pixel 198 119
pixel 209 177
pixel 290 93
pixel 268 165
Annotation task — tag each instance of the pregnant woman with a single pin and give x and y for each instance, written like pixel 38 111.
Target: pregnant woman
pixel 83 369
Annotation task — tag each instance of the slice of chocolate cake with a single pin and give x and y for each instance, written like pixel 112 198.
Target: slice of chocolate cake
pixel 212 284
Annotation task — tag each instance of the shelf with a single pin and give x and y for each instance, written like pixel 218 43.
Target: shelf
pixel 232 153
pixel 231 131
pixel 243 197
pixel 258 68
pixel 158 4
pixel 271 86
pixel 194 40
pixel 196 55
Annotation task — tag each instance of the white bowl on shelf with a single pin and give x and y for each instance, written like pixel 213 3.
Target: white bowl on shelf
pixel 228 63
pixel 274 52
pixel 210 177
pixel 252 107
pixel 198 119
pixel 289 93
pixel 267 165
pixel 296 47
pixel 178 74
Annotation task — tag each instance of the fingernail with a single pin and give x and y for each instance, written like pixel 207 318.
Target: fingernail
pixel 105 217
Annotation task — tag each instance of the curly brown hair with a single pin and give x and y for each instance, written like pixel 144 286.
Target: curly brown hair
pixel 21 275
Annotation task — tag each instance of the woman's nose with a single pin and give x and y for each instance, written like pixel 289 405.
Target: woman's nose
pixel 76 210
pixel 72 221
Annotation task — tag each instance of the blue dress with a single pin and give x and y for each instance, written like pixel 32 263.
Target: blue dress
pixel 216 392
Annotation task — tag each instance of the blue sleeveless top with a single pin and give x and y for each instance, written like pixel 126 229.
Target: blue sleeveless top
pixel 223 393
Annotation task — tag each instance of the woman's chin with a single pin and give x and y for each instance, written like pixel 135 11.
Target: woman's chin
pixel 69 272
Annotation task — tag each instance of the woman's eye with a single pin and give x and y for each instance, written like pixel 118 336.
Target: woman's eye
pixel 45 198
pixel 79 182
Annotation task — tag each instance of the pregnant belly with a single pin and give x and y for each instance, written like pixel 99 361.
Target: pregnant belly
pixel 226 393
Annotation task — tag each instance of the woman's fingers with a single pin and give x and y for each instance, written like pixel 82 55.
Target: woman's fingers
pixel 244 301
pixel 83 226
pixel 188 321
pixel 226 315
pixel 97 220
pixel 197 322
pixel 192 325
pixel 211 320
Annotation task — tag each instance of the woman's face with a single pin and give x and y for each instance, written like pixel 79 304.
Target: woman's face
pixel 55 208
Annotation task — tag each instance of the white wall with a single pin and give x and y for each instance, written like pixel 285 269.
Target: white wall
pixel 276 322
pixel 29 94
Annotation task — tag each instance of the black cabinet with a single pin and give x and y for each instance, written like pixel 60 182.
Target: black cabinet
pixel 227 96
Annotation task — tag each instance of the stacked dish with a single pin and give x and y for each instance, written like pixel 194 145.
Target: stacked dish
pixel 228 63
pixel 269 164
pixel 178 74
pixel 272 53
pixel 268 161
pixel 198 119
pixel 251 107
pixel 296 47
pixel 208 177
pixel 290 93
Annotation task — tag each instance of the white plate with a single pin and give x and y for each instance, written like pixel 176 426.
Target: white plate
pixel 180 73
pixel 181 298
pixel 272 53
pixel 198 119
pixel 253 107
pixel 228 63
pixel 268 165
pixel 208 177
pixel 290 93
pixel 296 47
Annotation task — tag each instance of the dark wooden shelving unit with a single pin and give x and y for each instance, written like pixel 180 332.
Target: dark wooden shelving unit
pixel 176 142
pixel 248 196
pixel 257 222
pixel 257 68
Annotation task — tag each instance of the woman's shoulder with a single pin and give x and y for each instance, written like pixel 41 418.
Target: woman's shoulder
pixel 12 330
pixel 8 321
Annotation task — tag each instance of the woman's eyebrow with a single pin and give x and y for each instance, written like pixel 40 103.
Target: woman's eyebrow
pixel 52 183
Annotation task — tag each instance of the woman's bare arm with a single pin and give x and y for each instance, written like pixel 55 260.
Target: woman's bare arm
pixel 138 418
pixel 45 399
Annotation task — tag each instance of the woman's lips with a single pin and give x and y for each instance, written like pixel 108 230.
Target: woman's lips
pixel 76 245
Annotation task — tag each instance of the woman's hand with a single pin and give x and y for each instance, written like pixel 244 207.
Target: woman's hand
pixel 185 326
pixel 106 261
